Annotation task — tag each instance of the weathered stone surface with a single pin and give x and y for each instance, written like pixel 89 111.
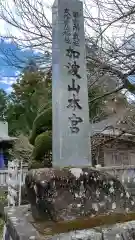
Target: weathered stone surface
pixel 71 141
pixel 70 193
pixel 124 231
pixel 18 226
pixel 21 228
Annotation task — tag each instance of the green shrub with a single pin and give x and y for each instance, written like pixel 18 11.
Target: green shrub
pixel 42 123
pixel 35 164
pixel 43 144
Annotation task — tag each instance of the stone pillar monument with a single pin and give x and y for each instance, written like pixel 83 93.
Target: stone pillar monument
pixel 71 197
pixel 71 141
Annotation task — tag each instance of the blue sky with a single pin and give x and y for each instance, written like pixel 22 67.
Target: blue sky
pixel 11 58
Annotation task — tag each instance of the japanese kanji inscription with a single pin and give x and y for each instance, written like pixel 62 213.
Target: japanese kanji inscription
pixel 71 145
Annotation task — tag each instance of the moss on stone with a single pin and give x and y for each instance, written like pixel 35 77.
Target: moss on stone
pixel 88 223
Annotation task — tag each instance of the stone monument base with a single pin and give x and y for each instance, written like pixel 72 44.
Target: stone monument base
pixel 72 193
pixel 21 226
pixel 72 203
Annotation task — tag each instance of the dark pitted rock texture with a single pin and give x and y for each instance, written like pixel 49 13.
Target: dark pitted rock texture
pixel 70 193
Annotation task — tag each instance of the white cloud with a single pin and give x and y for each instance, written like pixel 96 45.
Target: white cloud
pixel 47 4
pixel 8 80
pixel 22 49
pixel 130 96
pixel 9 30
pixel 17 73
pixel 7 40
pixel 9 89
